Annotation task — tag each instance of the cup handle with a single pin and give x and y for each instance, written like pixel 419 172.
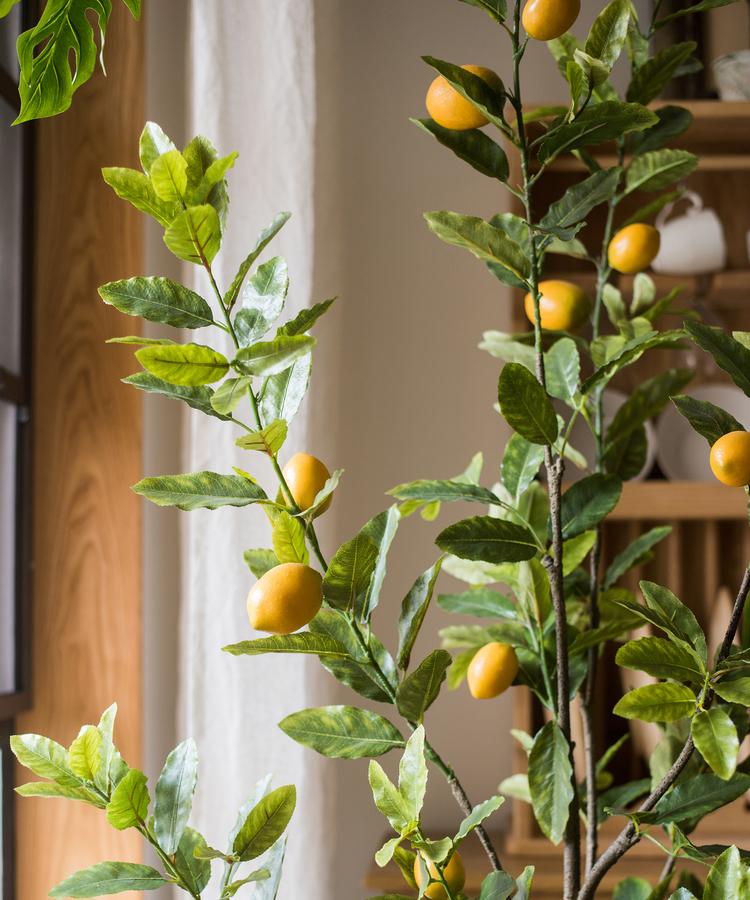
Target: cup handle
pixel 695 199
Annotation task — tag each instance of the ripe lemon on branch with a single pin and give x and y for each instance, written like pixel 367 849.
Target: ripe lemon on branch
pixel 449 109
pixel 730 459
pixel 634 248
pixel 285 599
pixel 454 874
pixel 306 476
pixel 563 306
pixel 492 671
pixel 545 20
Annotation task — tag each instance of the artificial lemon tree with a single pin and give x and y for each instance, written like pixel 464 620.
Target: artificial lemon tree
pixel 538 538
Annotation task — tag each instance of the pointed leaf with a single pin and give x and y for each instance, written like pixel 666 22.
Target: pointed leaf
pixel 199 490
pixel 419 690
pixel 174 795
pixel 272 357
pixel 195 234
pixel 265 823
pixel 660 658
pixel 158 300
pixel 550 774
pixel 301 642
pixel 715 736
pixel 264 238
pixel 344 732
pixel 130 800
pixel 658 169
pixel 657 703
pixel 587 502
pixel 473 147
pixel 183 364
pixel 489 539
pixel 525 405
pixel 109 878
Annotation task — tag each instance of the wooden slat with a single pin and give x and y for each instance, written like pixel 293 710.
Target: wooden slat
pixel 87 439
pixel 679 500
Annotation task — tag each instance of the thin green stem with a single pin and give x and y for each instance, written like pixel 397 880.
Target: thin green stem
pixel 166 861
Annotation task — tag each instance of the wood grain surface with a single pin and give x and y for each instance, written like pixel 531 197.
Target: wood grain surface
pixel 87 453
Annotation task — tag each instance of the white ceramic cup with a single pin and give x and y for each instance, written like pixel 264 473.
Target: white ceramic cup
pixel 691 244
pixel 732 73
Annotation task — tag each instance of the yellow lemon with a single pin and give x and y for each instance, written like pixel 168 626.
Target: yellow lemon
pixel 306 476
pixel 563 306
pixel 730 459
pixel 545 20
pixel 492 671
pixel 285 598
pixel 454 874
pixel 449 109
pixel 634 248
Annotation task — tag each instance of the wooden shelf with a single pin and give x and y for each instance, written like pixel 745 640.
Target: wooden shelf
pixel 679 501
pixel 725 288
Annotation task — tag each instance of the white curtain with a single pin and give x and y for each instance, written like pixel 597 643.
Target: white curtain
pixel 252 90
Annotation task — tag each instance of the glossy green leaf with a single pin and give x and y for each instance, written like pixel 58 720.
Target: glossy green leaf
pixel 632 888
pixel 689 9
pixel 152 143
pixel 550 774
pixel 288 536
pixel 158 300
pixel 381 530
pixel 197 397
pixel 412 774
pixel 504 346
pixel 483 603
pixel 649 210
pixel 48 790
pixel 587 502
pixel 389 801
pixel 228 395
pixel 443 491
pixel 262 299
pixel 419 690
pixel 496 9
pixel 301 642
pixel 268 440
pixel 627 353
pixel 576 549
pixel 174 795
pixel 130 800
pixel 473 147
pixel 344 732
pixel 195 234
pixel 659 169
pixel 663 702
pixel 136 188
pixel 650 79
pixel 563 369
pixel 477 816
pixel 472 88
pixel 259 875
pixel 729 354
pixel 306 318
pixel 169 176
pixel 660 658
pixel 413 611
pixel 497 886
pixel 272 357
pixel 526 406
pixel 695 798
pixel 521 463
pixel 349 572
pixel 190 861
pixel 200 490
pixel 728 877
pixel 734 690
pixel 679 618
pixel 109 878
pixel 45 758
pixel 282 394
pixel 483 240
pixel 715 736
pixel 595 125
pixel 264 238
pixel 489 539
pixel 710 421
pixel 265 823
pixel 85 753
pixel 635 554
pixel 190 365
pixel 608 32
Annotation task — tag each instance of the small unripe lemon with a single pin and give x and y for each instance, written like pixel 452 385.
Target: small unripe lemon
pixel 563 306
pixel 730 459
pixel 306 476
pixel 449 109
pixel 634 248
pixel 545 20
pixel 454 874
pixel 492 671
pixel 285 599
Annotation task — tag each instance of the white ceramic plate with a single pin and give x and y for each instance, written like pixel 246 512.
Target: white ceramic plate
pixel 682 452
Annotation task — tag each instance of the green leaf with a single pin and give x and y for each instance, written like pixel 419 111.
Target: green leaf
pixel 595 125
pixel 130 800
pixel 608 32
pixel 158 300
pixel 489 539
pixel 109 878
pixel 576 550
pixel 419 690
pixel 526 406
pixel 483 240
pixel 262 299
pixel 550 774
pixel 497 886
pixel 472 88
pixel 265 823
pixel 587 502
pixel 504 346
pixel 169 176
pixel 521 463
pixel 691 9
pixel 85 753
pixel 715 736
pixel 197 397
pixel 412 774
pixel 389 801
pixel 627 353
pixel 659 169
pixel 729 354
pixel 483 603
pixel 695 798
pixel 728 877
pixel 473 147
pixel 679 618
pixel 272 357
pixel 649 210
pixel 195 234
pixel 563 369
pixel 349 572
pixel 264 238
pixel 48 82
pixel 268 440
pixel 282 394
pixel 650 79
pixel 153 142
pixel 660 658
pixel 229 393
pixel 636 553
pixel 136 188
pixel 174 795
pixel 306 318
pixel 342 732
pixel 381 531
pixel 496 9
pixel 734 690
pixel 260 875
pixel 190 861
pixel 478 815
pixel 657 703
pixel 200 490
pixel 45 758
pixel 632 888
pixel 710 421
pixel 301 642
pixel 6 6
pixel 413 611
pixel 288 535
pixel 184 364
pixel 443 492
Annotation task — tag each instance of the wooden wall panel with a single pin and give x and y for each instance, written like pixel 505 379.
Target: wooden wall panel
pixel 87 453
